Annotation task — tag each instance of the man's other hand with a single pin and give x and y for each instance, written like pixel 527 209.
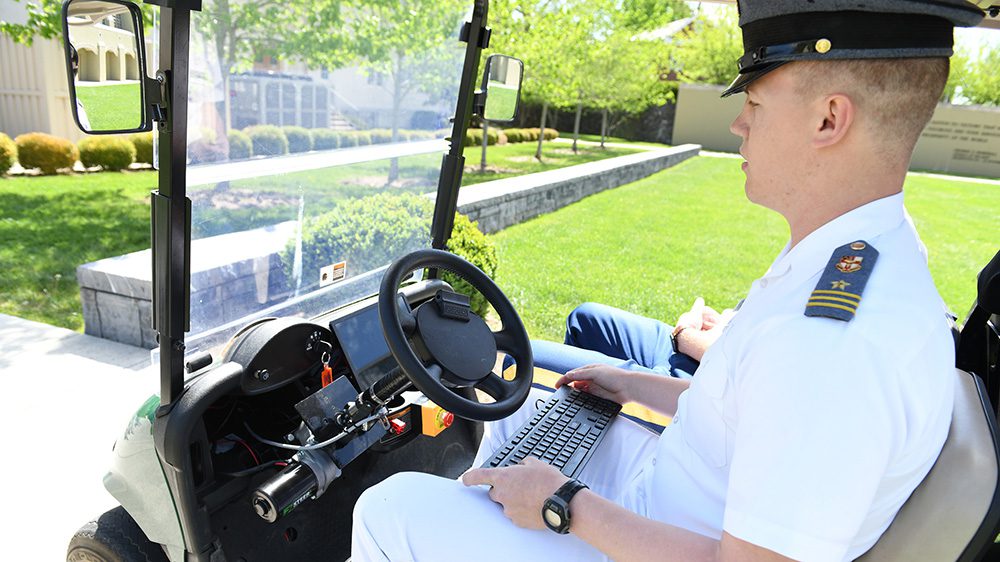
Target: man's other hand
pixel 600 380
pixel 520 489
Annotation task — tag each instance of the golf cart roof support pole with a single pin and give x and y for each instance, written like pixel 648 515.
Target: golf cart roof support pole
pixel 476 34
pixel 171 209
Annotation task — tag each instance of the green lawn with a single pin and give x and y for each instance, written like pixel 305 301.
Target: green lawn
pixel 652 246
pixel 111 107
pixel 51 224
pixel 501 101
pixel 597 138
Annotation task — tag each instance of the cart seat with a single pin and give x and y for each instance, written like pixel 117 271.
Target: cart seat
pixel 953 514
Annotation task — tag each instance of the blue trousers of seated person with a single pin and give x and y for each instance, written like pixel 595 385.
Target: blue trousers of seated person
pixel 597 333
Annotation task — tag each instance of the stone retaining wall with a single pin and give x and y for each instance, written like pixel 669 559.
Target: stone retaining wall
pixel 502 203
pixel 234 275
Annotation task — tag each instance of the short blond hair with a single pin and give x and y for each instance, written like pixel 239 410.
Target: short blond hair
pixel 896 97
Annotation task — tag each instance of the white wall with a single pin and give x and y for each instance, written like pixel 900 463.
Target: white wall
pixel 958 140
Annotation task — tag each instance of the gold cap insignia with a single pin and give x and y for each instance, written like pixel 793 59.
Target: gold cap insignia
pixel 823 46
pixel 858 246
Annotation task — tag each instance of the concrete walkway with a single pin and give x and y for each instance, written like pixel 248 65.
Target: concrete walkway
pixel 66 397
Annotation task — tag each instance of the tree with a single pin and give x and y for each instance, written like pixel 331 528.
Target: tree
pixel 980 83
pixel 409 42
pixel 647 15
pixel 707 52
pixel 44 20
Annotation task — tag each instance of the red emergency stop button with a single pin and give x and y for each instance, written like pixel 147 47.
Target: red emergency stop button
pixel 447 419
pixel 397 426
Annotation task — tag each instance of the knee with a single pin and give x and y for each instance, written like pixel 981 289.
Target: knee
pixel 587 310
pixel 380 507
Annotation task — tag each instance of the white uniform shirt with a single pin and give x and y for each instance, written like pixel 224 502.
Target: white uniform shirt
pixel 805 435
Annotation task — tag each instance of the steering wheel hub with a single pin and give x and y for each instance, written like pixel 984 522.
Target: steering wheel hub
pixel 464 349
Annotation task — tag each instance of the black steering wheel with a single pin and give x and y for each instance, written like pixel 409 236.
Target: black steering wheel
pixel 443 346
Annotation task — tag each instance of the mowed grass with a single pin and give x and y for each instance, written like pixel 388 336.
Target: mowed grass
pixel 111 107
pixel 518 159
pixel 49 225
pixel 652 246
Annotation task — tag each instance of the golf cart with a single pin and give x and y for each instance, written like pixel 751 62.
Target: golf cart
pixel 288 401
pixel 295 391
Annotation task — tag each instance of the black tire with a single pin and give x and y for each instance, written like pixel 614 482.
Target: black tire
pixel 113 537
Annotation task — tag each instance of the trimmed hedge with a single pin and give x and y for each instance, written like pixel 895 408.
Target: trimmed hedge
pixel 240 145
pixel 474 137
pixel 325 139
pixel 8 153
pixel 369 233
pixel 45 152
pixel 267 140
pixel 382 136
pixel 299 139
pixel 110 153
pixel 143 143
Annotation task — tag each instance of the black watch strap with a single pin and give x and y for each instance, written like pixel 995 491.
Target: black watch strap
pixel 569 489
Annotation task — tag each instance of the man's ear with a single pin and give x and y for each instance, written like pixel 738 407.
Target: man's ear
pixel 836 114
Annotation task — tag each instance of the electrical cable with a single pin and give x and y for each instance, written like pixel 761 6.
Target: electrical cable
pixel 320 445
pixel 254 469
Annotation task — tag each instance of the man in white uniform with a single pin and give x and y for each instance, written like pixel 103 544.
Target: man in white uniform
pixel 822 403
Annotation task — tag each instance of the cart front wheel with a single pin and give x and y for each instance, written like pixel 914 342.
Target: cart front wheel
pixel 113 537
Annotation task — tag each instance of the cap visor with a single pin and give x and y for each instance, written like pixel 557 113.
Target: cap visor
pixel 745 78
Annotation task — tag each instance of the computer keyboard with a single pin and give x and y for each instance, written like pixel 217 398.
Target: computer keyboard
pixel 564 432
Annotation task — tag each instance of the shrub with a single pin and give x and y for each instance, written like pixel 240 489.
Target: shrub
pixel 424 135
pixel 517 135
pixel 110 153
pixel 325 139
pixel 267 140
pixel 551 134
pixel 143 143
pixel 8 153
pixel 299 139
pixel 474 137
pixel 362 138
pixel 347 139
pixel 207 148
pixel 240 145
pixel 45 152
pixel 370 232
pixel 381 136
pixel 470 243
pixel 532 134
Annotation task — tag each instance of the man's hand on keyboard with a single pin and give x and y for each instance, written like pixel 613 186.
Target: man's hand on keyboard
pixel 600 380
pixel 520 489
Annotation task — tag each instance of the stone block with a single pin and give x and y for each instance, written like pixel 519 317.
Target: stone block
pixel 91 313
pixel 119 318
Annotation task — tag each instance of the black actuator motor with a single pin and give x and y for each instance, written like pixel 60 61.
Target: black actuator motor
pixel 284 492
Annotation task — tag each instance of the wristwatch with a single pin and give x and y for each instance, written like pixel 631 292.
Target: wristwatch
pixel 555 510
pixel 673 336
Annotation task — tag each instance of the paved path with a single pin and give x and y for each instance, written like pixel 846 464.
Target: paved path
pixel 65 398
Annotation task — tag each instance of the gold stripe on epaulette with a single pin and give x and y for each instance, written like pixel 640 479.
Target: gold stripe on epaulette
pixel 831 305
pixel 834 299
pixel 837 293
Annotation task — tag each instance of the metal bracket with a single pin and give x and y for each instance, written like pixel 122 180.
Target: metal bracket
pixel 193 5
pixel 483 41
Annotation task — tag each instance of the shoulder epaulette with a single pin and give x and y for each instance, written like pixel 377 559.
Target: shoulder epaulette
pixel 838 293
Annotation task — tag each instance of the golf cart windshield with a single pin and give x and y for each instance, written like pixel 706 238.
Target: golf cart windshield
pixel 309 171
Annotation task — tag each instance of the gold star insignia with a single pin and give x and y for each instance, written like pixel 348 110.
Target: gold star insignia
pixel 840 284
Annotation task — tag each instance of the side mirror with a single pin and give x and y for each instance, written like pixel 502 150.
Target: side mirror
pixel 106 65
pixel 501 88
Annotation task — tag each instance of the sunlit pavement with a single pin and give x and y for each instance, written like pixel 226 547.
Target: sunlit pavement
pixel 65 398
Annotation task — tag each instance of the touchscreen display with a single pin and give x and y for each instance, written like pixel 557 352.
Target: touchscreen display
pixel 361 338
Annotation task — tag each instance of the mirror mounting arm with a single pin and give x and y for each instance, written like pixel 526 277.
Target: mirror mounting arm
pixel 158 99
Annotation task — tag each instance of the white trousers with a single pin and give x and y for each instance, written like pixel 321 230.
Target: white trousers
pixel 414 516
